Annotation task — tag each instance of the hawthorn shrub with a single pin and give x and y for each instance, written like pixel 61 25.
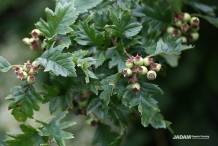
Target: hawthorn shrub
pixel 102 57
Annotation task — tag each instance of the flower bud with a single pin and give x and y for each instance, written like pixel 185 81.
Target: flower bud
pixel 127 72
pixel 138 60
pixel 135 87
pixel 31 79
pixel 151 75
pixel 143 70
pixel 26 41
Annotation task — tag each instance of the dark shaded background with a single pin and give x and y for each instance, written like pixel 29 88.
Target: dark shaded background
pixel 190 101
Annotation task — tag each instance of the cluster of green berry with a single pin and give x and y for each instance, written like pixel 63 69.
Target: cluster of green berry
pixel 36 42
pixel 186 27
pixel 139 65
pixel 27 71
pixel 80 105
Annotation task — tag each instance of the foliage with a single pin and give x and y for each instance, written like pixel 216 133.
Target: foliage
pixel 85 45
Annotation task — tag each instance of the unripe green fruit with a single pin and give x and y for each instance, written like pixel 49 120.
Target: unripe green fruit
pixel 31 79
pixel 83 104
pixel 135 86
pixel 178 23
pixel 34 63
pixel 195 36
pixel 127 72
pixel 157 67
pixel 195 29
pixel 138 60
pixel 184 40
pixel 194 21
pixel 26 41
pixel 129 64
pixel 143 70
pixel 151 75
pixel 186 17
pixel 146 61
pixel 170 30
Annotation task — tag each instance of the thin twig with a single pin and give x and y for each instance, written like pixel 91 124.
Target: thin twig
pixel 127 54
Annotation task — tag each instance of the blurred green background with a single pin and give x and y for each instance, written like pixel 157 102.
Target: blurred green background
pixel 190 101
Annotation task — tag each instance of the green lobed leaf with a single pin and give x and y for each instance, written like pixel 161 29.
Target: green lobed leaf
pixel 57 62
pixel 121 24
pixel 63 40
pixel 55 129
pixel 118 59
pixel 84 64
pixel 108 86
pixel 150 39
pixel 117 141
pixel 157 121
pixel 100 20
pixel 25 100
pixel 146 104
pixel 103 136
pixel 83 5
pixel 212 20
pixel 88 35
pixel 93 105
pixel 29 137
pixel 4 65
pixel 59 21
pixel 210 10
pixel 153 16
pixel 171 46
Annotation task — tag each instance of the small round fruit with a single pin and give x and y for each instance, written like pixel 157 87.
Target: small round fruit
pixel 129 64
pixel 83 104
pixel 147 61
pixel 195 36
pixel 143 70
pixel 176 33
pixel 138 60
pixel 170 30
pixel 26 41
pixel 151 75
pixel 186 17
pixel 178 23
pixel 127 72
pixel 195 28
pixel 184 40
pixel 194 21
pixel 31 79
pixel 157 67
pixel 135 87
